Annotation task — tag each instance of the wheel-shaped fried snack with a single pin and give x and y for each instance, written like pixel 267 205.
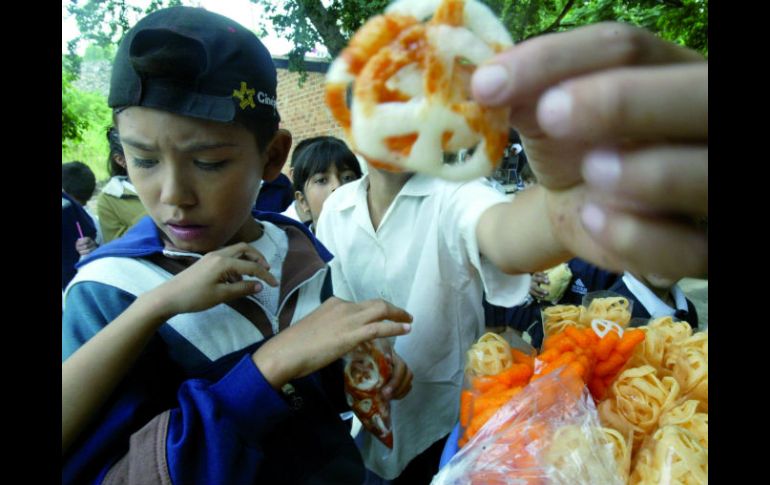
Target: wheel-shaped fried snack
pixel 410 69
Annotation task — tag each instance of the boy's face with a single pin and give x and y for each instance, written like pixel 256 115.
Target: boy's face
pixel 320 186
pixel 197 179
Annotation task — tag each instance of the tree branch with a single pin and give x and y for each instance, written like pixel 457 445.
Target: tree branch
pixel 561 16
pixel 325 25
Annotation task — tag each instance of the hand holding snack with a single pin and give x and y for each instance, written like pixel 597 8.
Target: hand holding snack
pixel 614 124
pixel 325 335
pixel 536 286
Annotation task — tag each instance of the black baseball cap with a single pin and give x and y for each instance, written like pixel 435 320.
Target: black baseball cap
pixel 193 62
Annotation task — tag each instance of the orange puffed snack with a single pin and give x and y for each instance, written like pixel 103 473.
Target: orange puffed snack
pixel 494 374
pixel 410 71
pixel 595 359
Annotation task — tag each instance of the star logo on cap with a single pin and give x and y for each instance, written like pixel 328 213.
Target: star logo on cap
pixel 245 95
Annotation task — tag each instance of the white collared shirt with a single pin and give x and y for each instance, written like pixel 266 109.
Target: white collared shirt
pixel 424 257
pixel 650 301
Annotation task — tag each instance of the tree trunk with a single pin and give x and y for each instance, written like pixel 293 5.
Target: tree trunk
pixel 325 25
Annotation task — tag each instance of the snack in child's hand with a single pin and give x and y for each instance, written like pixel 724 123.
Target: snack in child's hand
pixel 410 71
pixel 558 280
pixel 367 368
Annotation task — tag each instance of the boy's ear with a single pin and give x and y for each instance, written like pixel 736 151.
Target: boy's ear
pixel 277 153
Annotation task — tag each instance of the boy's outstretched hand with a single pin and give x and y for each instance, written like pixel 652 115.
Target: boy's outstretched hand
pixel 328 333
pixel 615 126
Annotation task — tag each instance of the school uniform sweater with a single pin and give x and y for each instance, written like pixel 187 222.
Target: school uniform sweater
pixel 195 408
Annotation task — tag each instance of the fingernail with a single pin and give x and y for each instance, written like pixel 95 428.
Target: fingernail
pixel 554 112
pixel 491 83
pixel 602 168
pixel 406 326
pixel 593 218
pixel 257 287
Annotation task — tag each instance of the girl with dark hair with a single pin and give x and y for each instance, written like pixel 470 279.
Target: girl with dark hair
pixel 320 166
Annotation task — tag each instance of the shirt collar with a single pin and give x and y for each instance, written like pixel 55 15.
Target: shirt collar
pixel 654 305
pixel 419 185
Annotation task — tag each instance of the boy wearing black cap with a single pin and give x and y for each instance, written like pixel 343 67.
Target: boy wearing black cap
pixel 210 376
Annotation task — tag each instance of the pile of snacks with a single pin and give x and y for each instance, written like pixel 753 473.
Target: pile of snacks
pixel 649 386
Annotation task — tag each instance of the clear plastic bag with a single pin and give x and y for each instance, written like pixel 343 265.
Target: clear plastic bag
pixel 549 433
pixel 367 368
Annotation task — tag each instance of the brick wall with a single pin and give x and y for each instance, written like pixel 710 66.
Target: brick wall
pixel 303 110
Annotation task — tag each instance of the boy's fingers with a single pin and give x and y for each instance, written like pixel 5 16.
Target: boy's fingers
pixel 669 179
pixel 373 310
pixel 523 72
pixel 397 381
pixel 240 289
pixel 380 329
pixel 649 103
pixel 244 267
pixel 244 251
pixel 647 244
pixel 404 385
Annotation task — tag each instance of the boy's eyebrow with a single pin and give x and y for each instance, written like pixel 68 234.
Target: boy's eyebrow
pixel 201 147
pixel 196 147
pixel 137 144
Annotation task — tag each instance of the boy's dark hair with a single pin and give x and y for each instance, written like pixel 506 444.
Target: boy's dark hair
pixel 192 62
pixel 113 138
pixel 315 155
pixel 78 181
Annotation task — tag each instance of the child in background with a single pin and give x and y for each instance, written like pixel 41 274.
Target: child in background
pixel 220 375
pixel 79 182
pixel 323 164
pixel 118 205
pixel 294 211
pixel 586 278
pixel 76 226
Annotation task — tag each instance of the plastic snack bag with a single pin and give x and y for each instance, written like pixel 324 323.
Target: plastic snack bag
pixel 367 368
pixel 524 441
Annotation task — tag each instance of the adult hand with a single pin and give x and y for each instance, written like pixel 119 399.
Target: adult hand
pixel 325 335
pixel 614 122
pixel 216 278
pixel 85 245
pixel 535 289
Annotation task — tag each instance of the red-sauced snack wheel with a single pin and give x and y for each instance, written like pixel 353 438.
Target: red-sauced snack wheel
pixel 410 69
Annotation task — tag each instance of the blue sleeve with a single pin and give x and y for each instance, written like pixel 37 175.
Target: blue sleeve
pixel 158 426
pixel 215 435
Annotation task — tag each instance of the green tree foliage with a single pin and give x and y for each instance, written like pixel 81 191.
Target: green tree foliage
pixel 85 119
pixel 72 126
pixel 103 23
pixel 307 22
